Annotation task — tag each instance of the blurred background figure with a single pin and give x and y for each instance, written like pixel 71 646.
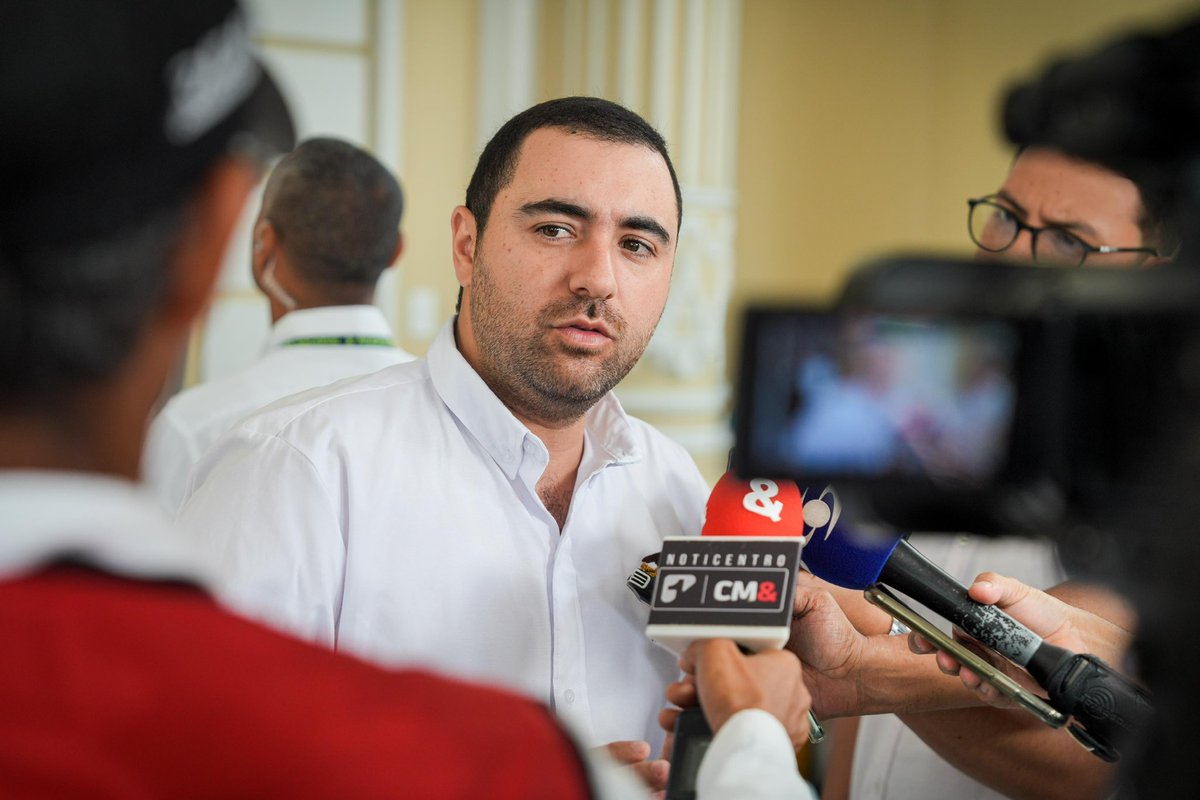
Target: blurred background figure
pixel 328 228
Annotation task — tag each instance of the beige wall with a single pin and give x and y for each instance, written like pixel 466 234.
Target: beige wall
pixel 865 124
pixel 863 127
pixel 439 70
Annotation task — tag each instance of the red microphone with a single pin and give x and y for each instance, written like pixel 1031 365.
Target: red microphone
pixel 734 581
pixel 737 579
pixel 757 507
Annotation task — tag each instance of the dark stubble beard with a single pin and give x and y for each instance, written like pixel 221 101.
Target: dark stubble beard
pixel 538 377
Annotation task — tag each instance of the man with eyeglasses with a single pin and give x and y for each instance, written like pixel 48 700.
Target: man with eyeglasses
pixel 1057 210
pixel 1051 210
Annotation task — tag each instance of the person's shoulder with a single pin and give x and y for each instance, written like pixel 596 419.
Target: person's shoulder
pixel 197 405
pixel 323 723
pixel 387 391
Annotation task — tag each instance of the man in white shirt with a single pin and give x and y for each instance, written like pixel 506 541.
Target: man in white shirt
pixel 121 674
pixel 328 228
pixel 478 510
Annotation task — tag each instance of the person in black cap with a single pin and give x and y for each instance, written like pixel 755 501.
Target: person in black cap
pixel 132 136
pixel 134 133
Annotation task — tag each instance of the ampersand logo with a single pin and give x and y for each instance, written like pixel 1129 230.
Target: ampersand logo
pixel 767 593
pixel 758 499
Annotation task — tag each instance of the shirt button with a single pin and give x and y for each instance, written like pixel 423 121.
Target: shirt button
pixel 569 696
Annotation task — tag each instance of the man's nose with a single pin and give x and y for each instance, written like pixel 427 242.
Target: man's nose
pixel 1022 248
pixel 593 271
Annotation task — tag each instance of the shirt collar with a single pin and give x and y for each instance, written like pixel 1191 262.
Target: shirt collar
pixel 305 323
pixel 609 437
pixel 110 523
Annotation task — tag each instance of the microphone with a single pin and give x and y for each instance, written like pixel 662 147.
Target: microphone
pixel 1110 706
pixel 737 579
pixel 856 560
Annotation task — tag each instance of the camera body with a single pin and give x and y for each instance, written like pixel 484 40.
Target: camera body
pixel 944 395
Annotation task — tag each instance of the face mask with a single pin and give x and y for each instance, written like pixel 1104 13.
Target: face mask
pixel 273 289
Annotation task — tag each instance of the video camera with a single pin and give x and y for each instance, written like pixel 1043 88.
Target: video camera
pixel 959 396
pixel 1083 385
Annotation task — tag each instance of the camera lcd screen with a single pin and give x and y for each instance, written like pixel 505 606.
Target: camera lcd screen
pixel 828 395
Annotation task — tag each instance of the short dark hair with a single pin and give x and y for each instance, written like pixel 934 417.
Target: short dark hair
pixel 1159 219
pixel 336 211
pixel 589 116
pixel 70 314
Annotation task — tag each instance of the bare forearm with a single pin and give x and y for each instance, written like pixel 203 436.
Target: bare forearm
pixel 891 679
pixel 1013 753
pixel 1016 754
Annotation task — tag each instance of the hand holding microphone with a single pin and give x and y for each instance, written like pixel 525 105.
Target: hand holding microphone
pixel 1060 623
pixel 1108 708
pixel 719 677
pixel 735 582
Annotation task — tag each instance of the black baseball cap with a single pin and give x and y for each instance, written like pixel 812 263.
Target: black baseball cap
pixel 111 109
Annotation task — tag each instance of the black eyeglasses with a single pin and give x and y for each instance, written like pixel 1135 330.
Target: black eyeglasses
pixel 994 228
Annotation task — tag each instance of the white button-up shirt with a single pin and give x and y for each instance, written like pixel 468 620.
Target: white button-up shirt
pixel 305 349
pixel 395 516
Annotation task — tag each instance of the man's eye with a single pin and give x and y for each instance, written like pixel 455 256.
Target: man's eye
pixel 637 246
pixel 1003 216
pixel 553 231
pixel 1063 243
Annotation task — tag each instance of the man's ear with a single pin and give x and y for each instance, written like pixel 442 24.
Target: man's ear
pixel 399 250
pixel 210 219
pixel 463 243
pixel 263 244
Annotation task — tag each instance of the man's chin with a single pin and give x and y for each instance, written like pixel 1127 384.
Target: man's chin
pixel 576 387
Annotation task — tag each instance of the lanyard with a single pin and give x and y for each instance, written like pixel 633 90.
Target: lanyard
pixel 353 341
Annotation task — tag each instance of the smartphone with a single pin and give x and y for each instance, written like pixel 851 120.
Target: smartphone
pixel 1035 705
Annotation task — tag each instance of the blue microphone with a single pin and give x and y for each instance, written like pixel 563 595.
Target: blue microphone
pixel 843 556
pixel 1109 709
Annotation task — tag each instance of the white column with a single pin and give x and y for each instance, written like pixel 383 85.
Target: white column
pixel 597 47
pixel 631 62
pixel 662 68
pixel 508 32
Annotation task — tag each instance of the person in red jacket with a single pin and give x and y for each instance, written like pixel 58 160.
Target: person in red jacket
pixel 133 135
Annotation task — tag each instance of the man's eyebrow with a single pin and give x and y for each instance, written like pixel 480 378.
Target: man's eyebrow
pixel 552 206
pixel 1072 226
pixel 1008 198
pixel 648 225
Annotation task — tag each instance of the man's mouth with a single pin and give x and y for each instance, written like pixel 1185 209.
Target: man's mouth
pixel 585 332
pixel 588 325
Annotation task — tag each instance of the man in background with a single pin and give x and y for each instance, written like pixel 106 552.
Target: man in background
pixel 1052 209
pixel 328 228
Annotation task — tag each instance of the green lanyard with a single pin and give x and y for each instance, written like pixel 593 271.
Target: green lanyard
pixel 354 341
